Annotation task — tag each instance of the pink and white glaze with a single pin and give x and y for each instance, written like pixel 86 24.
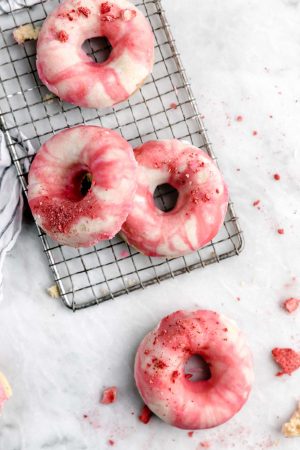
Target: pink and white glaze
pixel 72 75
pixel 55 180
pixel 200 209
pixel 5 390
pixel 160 377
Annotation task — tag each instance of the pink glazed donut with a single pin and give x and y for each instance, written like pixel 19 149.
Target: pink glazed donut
pixel 81 185
pixel 68 72
pixel 160 376
pixel 5 390
pixel 201 205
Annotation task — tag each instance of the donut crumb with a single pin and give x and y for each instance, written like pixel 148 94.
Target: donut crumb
pixel 292 427
pixel 145 414
pixel 53 291
pixel 109 395
pixel 26 33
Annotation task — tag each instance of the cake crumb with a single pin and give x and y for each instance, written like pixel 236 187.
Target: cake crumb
pixel 109 395
pixel 48 97
pixel 292 427
pixel 26 33
pixel 145 414
pixel 53 291
pixel 288 360
pixel 291 304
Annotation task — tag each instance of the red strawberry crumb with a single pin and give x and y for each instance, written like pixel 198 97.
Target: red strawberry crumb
pixel 111 442
pixel 105 8
pixel 109 395
pixel 145 414
pixel 276 176
pixel 85 416
pixel 174 376
pixel 287 359
pixel 256 203
pixel 291 304
pixel 84 11
pixel 280 231
pixel 190 434
pixel 254 133
pixel 173 105
pixel 239 118
pixel 205 444
pixel 62 36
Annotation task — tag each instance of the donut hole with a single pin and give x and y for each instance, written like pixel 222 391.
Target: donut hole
pixel 98 49
pixel 165 197
pixel 197 369
pixel 85 183
pixel 78 184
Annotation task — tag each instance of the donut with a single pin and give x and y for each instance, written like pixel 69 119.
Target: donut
pixel 163 384
pixel 72 75
pixel 200 209
pixel 81 185
pixel 5 390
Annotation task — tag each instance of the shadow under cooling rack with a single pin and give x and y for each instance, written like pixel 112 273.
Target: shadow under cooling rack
pixel 164 108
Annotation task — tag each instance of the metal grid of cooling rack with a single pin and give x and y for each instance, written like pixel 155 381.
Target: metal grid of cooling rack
pixel 86 277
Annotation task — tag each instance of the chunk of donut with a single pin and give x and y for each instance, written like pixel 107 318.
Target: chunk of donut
pixel 81 185
pixel 72 75
pixel 160 375
pixel 200 209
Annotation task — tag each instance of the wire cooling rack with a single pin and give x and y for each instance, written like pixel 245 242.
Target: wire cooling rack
pixel 164 108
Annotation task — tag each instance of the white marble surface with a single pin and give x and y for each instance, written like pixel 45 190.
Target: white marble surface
pixel 243 59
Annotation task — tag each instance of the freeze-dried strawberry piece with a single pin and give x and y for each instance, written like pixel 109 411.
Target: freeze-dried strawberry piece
pixel 287 359
pixel 109 395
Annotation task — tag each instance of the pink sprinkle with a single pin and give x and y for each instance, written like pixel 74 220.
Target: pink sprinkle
pixel 254 133
pixel 109 395
pixel 173 105
pixel 239 118
pixel 256 203
pixel 205 444
pixel 280 231
pixel 276 176
pixel 190 434
pixel 291 304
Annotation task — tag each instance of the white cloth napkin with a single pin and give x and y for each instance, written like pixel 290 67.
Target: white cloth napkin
pixel 11 201
pixel 11 5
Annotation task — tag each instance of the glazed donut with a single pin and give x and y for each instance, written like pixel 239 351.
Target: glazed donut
pixel 73 76
pixel 81 185
pixel 5 390
pixel 160 377
pixel 200 208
